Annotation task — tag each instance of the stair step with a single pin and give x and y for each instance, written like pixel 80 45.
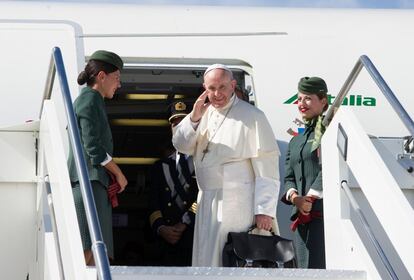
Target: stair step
pixel 186 273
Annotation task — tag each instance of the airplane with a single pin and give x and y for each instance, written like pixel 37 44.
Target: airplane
pixel 367 151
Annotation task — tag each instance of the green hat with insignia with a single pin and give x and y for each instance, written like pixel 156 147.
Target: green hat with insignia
pixel 178 110
pixel 108 57
pixel 313 85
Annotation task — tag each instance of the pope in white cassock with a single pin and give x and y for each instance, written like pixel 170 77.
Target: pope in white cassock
pixel 236 162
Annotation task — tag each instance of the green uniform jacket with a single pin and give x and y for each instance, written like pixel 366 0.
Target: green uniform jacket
pixel 302 168
pixel 95 134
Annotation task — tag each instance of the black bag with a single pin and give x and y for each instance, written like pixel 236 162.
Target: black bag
pixel 243 249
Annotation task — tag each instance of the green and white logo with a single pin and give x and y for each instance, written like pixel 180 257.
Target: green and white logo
pixel 350 100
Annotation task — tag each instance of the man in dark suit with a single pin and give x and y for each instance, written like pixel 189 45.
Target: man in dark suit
pixel 173 200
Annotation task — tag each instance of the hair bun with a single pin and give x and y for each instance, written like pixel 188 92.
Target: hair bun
pixel 82 78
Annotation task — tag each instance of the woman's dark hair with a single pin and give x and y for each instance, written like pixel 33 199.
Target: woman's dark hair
pixel 322 96
pixel 92 69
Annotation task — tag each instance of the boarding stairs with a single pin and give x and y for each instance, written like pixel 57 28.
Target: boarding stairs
pixel 368 189
pixel 47 233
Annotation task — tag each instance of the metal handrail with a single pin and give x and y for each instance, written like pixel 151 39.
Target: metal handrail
pixel 98 246
pixel 364 61
pixel 371 236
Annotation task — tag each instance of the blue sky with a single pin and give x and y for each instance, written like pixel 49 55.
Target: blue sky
pixel 387 4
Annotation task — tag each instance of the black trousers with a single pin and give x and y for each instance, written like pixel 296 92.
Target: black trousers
pixel 179 254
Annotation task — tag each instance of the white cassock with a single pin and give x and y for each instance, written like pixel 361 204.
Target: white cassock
pixel 238 177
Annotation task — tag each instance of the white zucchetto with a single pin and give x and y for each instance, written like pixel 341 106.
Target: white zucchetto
pixel 218 66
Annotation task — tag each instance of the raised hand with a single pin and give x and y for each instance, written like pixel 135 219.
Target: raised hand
pixel 200 107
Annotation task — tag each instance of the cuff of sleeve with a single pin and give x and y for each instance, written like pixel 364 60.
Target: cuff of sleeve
pixel 156 219
pixel 266 196
pixel 194 124
pixel 286 196
pixel 313 192
pixel 289 193
pixel 185 219
pixel 107 160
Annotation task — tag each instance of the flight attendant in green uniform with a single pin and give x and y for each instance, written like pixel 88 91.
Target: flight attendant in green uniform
pixel 102 77
pixel 303 175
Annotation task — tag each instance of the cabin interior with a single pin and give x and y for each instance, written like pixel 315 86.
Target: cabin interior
pixel 138 115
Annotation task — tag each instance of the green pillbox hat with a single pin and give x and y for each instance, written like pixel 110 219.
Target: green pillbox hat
pixel 108 57
pixel 312 85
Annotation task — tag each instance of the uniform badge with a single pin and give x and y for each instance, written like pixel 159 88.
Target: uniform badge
pixel 180 106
